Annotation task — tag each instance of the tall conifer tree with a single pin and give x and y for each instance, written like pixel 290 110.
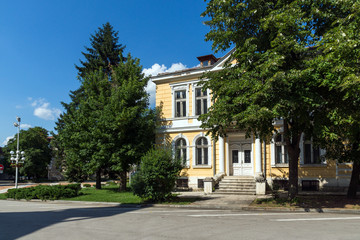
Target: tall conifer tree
pixel 107 125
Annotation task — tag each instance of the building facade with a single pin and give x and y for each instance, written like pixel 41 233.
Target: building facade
pixel 182 100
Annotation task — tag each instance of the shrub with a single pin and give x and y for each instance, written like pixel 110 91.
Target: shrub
pixel 44 192
pixel 86 185
pixel 156 176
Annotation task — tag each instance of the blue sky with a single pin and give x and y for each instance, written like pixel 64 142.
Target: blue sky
pixel 42 40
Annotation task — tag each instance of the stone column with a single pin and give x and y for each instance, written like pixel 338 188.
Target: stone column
pixel 257 157
pixel 221 155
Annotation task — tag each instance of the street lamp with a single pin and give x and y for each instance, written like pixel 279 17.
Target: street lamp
pixel 18 157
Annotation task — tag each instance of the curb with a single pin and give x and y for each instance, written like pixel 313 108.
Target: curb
pixel 205 207
pixel 317 210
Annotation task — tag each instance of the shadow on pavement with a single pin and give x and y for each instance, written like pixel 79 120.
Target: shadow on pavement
pixel 14 225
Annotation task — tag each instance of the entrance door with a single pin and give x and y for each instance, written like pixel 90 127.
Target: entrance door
pixel 241 159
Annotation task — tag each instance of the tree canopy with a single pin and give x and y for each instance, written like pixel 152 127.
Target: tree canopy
pixel 108 126
pixel 105 52
pixel 275 45
pixel 35 143
pixel 337 71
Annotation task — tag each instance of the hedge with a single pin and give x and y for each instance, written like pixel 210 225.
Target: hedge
pixel 45 192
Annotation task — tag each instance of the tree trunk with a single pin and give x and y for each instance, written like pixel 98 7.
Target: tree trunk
pixel 294 153
pixel 354 182
pixel 293 173
pixel 98 179
pixel 123 179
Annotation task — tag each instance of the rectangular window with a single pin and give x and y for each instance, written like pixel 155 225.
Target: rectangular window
pixel 281 150
pixel 235 156
pixel 180 103
pixel 199 156
pixel 278 155
pixel 200 101
pixel 205 160
pixel 247 155
pixel 307 153
pixel 311 153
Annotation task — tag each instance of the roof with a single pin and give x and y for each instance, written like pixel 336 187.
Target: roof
pixel 195 70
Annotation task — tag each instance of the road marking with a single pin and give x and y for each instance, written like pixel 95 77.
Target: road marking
pixel 242 214
pixel 315 219
pixel 173 211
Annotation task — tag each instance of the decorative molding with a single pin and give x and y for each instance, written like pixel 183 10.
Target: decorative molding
pixel 201 134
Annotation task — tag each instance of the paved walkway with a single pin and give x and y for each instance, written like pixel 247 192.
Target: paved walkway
pixel 208 201
pixel 218 201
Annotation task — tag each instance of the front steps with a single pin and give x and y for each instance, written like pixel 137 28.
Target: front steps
pixel 236 185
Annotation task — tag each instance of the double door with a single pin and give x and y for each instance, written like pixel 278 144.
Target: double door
pixel 241 159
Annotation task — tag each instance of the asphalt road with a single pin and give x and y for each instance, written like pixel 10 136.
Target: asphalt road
pixel 42 220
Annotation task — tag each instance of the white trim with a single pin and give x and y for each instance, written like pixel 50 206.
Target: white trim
pixel 257 161
pixel 187 147
pixel 179 87
pixel 193 86
pixel 302 153
pixel 192 73
pixel 221 155
pixel 272 150
pixel 227 156
pixel 194 151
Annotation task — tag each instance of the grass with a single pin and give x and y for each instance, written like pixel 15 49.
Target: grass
pixel 106 194
pixel 110 193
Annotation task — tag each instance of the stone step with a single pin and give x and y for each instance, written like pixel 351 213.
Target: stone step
pixel 236 186
pixel 237 189
pixel 238 180
pixel 232 191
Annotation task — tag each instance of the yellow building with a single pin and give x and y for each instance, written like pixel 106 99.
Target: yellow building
pixel 236 157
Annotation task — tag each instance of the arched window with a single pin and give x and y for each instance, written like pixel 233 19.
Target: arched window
pixel 281 151
pixel 202 151
pixel 180 148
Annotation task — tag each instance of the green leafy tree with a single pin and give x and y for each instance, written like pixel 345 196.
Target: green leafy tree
pixel 274 43
pixel 337 71
pixel 35 143
pixel 156 176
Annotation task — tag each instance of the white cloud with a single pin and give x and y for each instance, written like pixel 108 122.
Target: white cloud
pixel 155 70
pixel 7 140
pixel 176 67
pixel 43 109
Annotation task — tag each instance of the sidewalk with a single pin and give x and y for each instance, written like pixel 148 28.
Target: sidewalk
pixel 216 202
pixel 242 202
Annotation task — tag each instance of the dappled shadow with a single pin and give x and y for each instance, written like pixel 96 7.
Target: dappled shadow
pixel 329 201
pixel 313 201
pixel 14 225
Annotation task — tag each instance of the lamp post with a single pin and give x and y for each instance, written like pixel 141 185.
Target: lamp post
pixel 19 157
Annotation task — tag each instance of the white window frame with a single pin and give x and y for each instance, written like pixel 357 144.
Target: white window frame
pixel 194 164
pixel 194 87
pixel 179 87
pixel 302 153
pixel 273 151
pixel 187 164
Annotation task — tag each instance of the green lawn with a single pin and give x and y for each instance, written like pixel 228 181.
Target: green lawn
pixel 110 193
pixel 106 194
